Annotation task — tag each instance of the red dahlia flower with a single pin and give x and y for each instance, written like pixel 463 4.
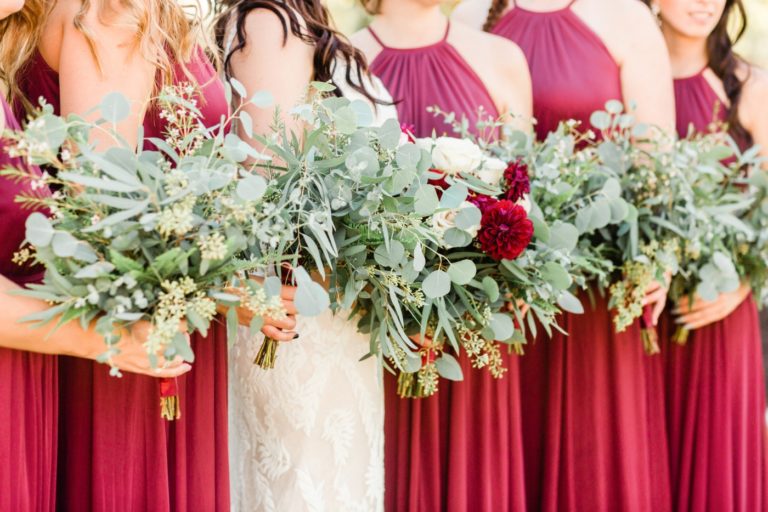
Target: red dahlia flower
pixel 482 201
pixel 516 180
pixel 505 230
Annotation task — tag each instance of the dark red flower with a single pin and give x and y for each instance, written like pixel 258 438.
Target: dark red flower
pixel 438 182
pixel 482 201
pixel 505 230
pixel 516 180
pixel 408 130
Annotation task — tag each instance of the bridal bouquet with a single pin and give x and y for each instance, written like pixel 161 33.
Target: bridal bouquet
pixel 347 196
pixel 726 242
pixel 679 210
pixel 143 235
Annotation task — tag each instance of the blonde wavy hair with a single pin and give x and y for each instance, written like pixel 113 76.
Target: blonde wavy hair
pixel 166 33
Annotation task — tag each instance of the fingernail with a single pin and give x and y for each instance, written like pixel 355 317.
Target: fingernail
pixel 295 336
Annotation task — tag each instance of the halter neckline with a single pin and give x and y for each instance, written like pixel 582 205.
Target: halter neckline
pixel 567 7
pixel 416 48
pixel 699 74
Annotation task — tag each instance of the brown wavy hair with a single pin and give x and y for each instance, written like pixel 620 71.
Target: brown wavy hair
pixel 726 64
pixel 306 19
pixel 166 33
pixel 495 11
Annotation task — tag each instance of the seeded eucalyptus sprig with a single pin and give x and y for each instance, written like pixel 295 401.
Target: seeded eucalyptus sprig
pixel 159 235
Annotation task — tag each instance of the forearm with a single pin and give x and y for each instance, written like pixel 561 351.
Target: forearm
pixel 69 339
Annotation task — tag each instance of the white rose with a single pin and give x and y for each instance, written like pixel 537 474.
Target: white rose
pixel 491 171
pixel 525 202
pixel 452 155
pixel 446 219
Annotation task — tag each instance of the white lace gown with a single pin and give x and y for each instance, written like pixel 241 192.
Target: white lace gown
pixel 308 435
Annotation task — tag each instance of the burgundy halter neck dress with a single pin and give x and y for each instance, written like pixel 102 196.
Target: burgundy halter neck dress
pixel 115 451
pixel 593 432
pixel 28 381
pixel 714 382
pixel 460 449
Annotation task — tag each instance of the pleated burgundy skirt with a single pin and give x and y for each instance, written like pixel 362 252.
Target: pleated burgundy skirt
pixel 116 452
pixel 715 391
pixel 593 419
pixel 459 450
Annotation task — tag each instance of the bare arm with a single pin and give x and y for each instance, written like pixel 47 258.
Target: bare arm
pixel 646 75
pixel 518 99
pixel 70 339
pixel 84 81
pixel 753 110
pixel 266 64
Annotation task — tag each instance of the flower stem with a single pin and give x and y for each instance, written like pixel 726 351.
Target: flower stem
pixel 267 354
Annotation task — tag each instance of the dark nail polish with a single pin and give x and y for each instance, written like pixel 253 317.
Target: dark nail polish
pixel 295 336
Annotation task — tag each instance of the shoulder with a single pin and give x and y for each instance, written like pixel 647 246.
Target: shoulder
pixel 472 12
pixel 364 41
pixel 754 108
pixel 632 17
pixel 481 45
pixel 271 25
pixel 628 27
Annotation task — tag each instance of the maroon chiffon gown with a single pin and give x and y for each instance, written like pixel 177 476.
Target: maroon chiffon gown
pixel 116 453
pixel 459 450
pixel 28 381
pixel 715 383
pixel 593 423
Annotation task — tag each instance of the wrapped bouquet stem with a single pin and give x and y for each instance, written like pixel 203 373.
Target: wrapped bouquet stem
pixel 143 235
pixel 169 399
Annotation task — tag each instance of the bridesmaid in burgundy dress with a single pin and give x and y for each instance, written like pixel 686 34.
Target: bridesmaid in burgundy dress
pixel 28 365
pixel 715 382
pixel 460 449
pixel 29 397
pixel 116 453
pixel 593 427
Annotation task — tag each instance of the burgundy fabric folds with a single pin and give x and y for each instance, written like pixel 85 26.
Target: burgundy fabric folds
pixel 460 449
pixel 28 382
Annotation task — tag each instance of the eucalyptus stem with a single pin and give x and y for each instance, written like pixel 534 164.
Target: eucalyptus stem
pixel 267 354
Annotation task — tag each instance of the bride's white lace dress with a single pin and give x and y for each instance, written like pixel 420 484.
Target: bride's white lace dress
pixel 308 435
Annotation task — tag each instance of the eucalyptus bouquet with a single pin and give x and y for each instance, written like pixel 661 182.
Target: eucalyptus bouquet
pixel 344 189
pixel 523 244
pixel 675 190
pixel 725 241
pixel 143 235
pixel 358 200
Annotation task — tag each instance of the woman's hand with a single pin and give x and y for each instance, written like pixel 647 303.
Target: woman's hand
pixel 283 330
pixel 280 330
pixel 133 355
pixel 423 342
pixel 520 305
pixel 656 295
pixel 701 312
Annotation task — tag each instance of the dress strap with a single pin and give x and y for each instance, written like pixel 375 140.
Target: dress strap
pixel 377 38
pixel 385 47
pixel 570 4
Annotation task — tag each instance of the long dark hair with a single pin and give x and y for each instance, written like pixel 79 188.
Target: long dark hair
pixel 327 42
pixel 494 13
pixel 726 64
